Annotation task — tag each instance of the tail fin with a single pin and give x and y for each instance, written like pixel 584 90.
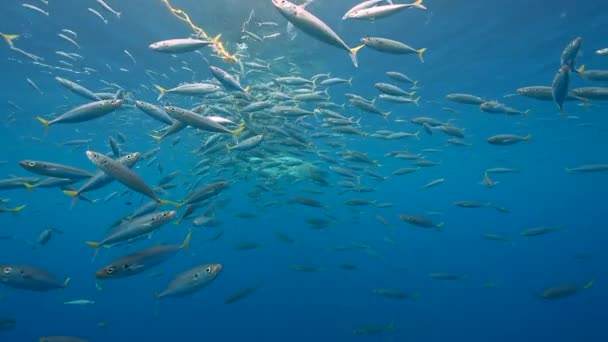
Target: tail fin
pixel 527 137
pixel 588 285
pixel 238 130
pixel 156 137
pixel 9 38
pixel 581 69
pixel 186 243
pixel 16 210
pixel 29 187
pixel 162 92
pixel 74 195
pixel 418 4
pixel 353 54
pixel 417 101
pixel 45 123
pixel 93 244
pixel 420 54
pixel 168 202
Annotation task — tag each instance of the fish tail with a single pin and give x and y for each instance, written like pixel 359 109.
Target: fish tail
pixel 353 54
pixel 29 187
pixel 439 226
pixel 581 69
pixel 156 137
pixel 9 38
pixel 16 210
pixel 588 285
pixel 526 112
pixel 66 282
pixel 417 135
pixel 168 202
pixel 417 101
pixel 186 243
pixel 247 89
pixel 118 14
pixel 420 54
pixel 528 137
pixel 350 81
pixel 46 123
pixel 161 92
pixel 228 147
pixel 71 193
pixel 418 4
pixel 390 327
pixel 93 244
pixel 568 170
pixel 238 130
pixel 156 295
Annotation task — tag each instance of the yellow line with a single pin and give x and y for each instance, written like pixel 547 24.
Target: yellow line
pixel 218 46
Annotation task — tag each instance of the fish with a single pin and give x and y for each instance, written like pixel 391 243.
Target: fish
pixel 198 121
pixel 537 231
pixel 61 339
pixel 299 17
pixel 602 52
pixel 570 52
pixel 592 93
pixel 54 169
pixel 36 9
pixel 383 11
pixel 240 294
pixel 466 99
pixel 564 290
pixel 446 276
pixel 247 144
pixel 189 89
pixel 134 228
pixel 101 179
pixel 179 45
pixel 108 8
pixel 86 112
pixel 78 89
pixel 395 294
pixel 7 323
pixel 500 108
pixel 98 15
pixel 360 6
pixel 588 168
pixel 191 281
pixel 123 174
pixel 30 278
pixel 508 139
pixel 559 87
pixel 46 234
pixel 79 302
pixel 392 46
pixel 420 221
pixel 141 261
pixel 229 82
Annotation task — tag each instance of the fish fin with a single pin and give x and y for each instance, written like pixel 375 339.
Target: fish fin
pixel 439 226
pixel 418 4
pixel 118 14
pixel 417 135
pixel 186 243
pixel 29 187
pixel 247 89
pixel 581 69
pixel 161 92
pixel 417 101
pixel 93 244
pixel 156 295
pixel 420 53
pixel 350 81
pixel 528 137
pixel 588 285
pixel 16 210
pixel 168 202
pixel 66 282
pixel 415 296
pixel 71 193
pixel 238 130
pixel 526 112
pixel 353 54
pixel 156 137
pixel 9 38
pixel 390 327
pixel 46 123
pixel 228 147
pixel 568 170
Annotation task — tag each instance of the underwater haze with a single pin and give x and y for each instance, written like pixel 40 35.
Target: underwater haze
pixel 286 194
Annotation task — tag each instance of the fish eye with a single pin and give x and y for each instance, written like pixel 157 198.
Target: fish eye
pixel 196 275
pixel 31 164
pixel 7 270
pixel 110 270
pixel 165 214
pixel 208 270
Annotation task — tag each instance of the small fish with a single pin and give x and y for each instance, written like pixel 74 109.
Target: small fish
pixel 392 47
pixel 434 182
pixel 179 45
pixel 507 139
pixel 34 86
pixel 108 8
pixel 560 85
pixel 30 278
pixel 537 231
pixel 602 52
pixel 105 21
pixel 34 8
pixel 240 294
pixel 130 56
pixel 70 40
pixel 191 281
pixel 80 302
pixel 588 168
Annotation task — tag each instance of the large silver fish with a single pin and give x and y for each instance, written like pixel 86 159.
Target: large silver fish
pixel 191 281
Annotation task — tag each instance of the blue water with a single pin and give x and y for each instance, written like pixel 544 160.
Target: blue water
pixel 488 48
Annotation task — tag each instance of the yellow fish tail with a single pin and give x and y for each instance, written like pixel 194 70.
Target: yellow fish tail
pixel 353 54
pixel 420 53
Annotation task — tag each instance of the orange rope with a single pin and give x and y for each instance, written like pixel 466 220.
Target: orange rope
pixel 217 45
